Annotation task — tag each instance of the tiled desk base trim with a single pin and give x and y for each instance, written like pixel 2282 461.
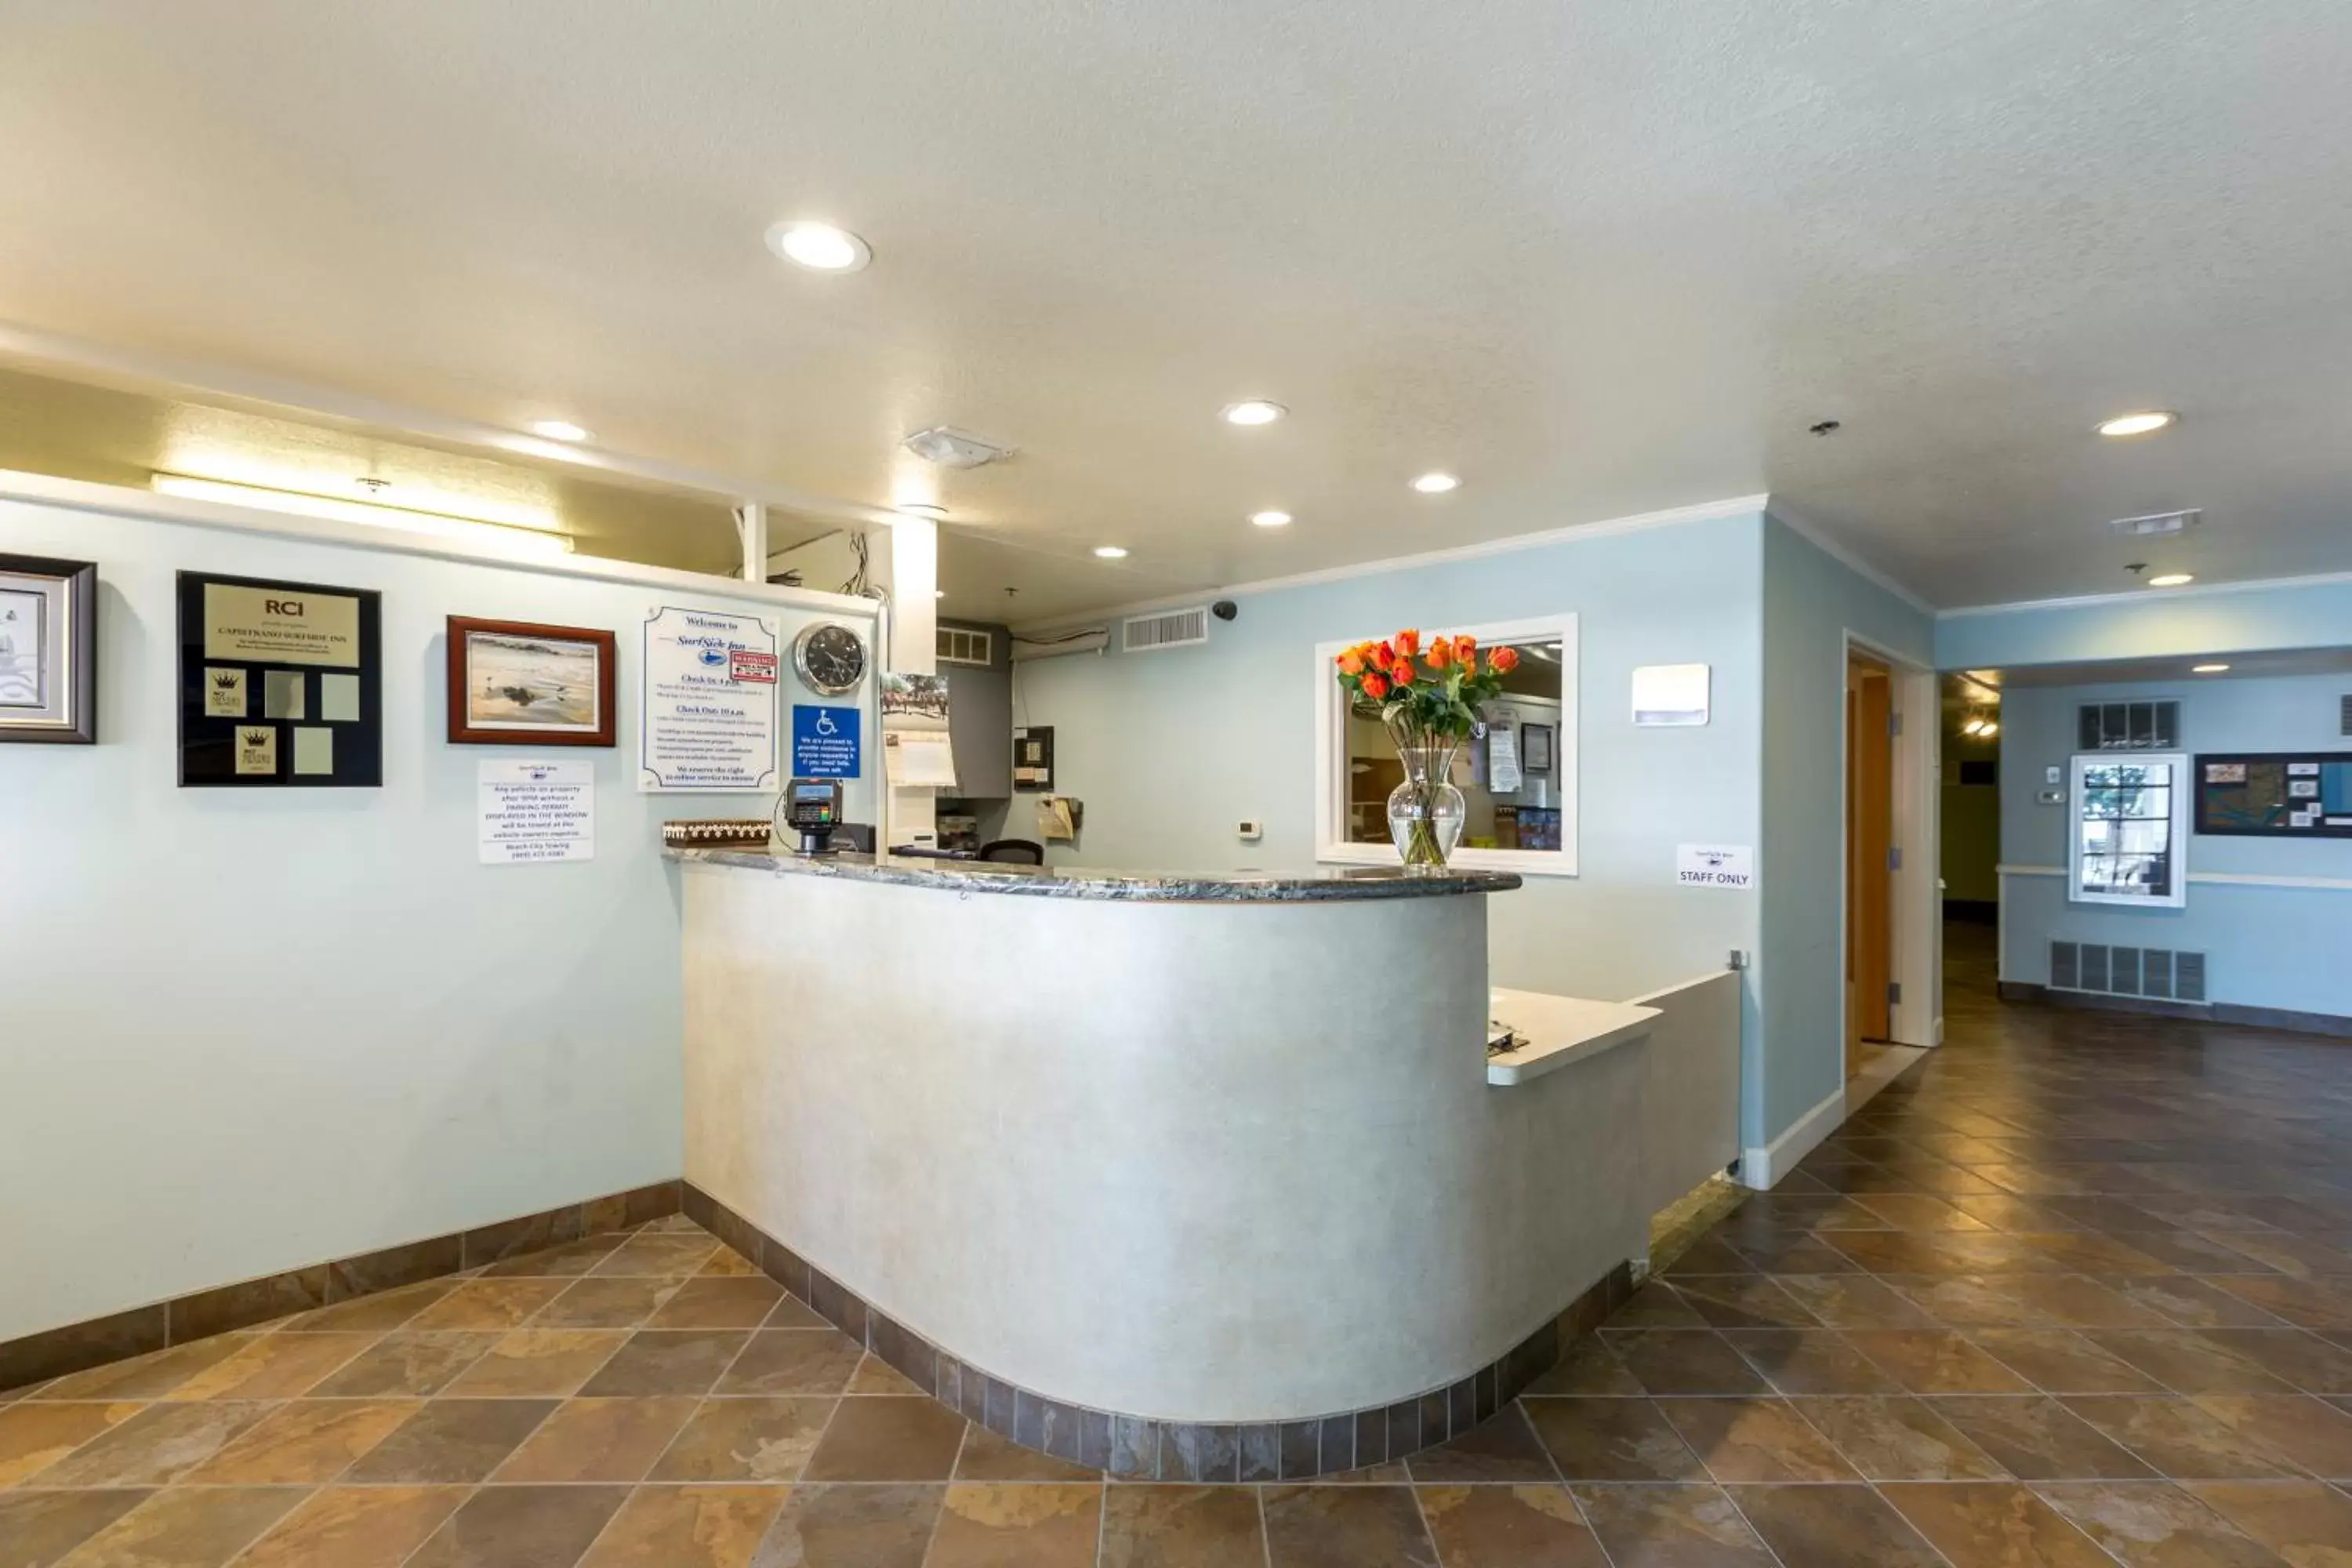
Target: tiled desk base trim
pixel 1146 1449
pixel 36 1358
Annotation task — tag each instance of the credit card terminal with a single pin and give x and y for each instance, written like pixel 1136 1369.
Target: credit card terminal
pixel 812 808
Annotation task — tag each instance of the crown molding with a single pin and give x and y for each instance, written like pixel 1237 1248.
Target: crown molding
pixel 1814 534
pixel 2146 595
pixel 1638 522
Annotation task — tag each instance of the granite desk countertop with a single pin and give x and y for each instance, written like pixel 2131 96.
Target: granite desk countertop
pixel 1320 885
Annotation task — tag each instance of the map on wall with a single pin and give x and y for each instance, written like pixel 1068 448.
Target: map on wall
pixel 2281 794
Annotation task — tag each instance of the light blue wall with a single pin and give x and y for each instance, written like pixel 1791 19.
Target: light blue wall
pixel 247 1030
pixel 2313 613
pixel 2267 946
pixel 1167 751
pixel 1810 602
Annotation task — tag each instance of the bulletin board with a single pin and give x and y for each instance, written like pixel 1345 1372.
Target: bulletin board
pixel 2276 795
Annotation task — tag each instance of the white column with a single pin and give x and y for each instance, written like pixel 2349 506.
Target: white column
pixel 751 531
pixel 914 545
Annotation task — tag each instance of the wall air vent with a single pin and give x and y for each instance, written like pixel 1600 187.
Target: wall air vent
pixel 958 644
pixel 2159 973
pixel 2128 726
pixel 2344 715
pixel 1166 629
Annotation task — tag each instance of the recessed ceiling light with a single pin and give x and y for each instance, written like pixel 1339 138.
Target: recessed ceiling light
pixel 1252 411
pixel 928 508
pixel 1436 484
pixel 1110 553
pixel 558 430
pixel 819 247
pixel 2207 669
pixel 1271 519
pixel 2142 424
pixel 2170 580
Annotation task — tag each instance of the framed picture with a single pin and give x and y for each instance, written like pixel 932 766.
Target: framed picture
pixel 48 650
pixel 281 684
pixel 514 683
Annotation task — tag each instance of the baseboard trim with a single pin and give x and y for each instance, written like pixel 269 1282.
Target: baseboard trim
pixel 1140 1447
pixel 75 1347
pixel 2328 1025
pixel 1760 1168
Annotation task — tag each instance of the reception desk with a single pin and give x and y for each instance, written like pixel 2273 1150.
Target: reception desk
pixel 1200 1177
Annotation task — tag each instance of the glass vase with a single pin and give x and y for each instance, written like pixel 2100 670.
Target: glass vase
pixel 1426 812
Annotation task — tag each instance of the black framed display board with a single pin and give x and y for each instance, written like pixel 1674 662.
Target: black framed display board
pixel 2276 795
pixel 281 684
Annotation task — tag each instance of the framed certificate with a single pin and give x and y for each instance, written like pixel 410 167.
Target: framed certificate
pixel 516 683
pixel 48 650
pixel 281 684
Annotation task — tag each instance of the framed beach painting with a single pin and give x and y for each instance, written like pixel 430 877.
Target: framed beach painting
pixel 48 650
pixel 514 683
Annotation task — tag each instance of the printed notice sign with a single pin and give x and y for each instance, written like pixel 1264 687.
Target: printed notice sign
pixel 825 741
pixel 535 812
pixel 281 626
pixel 708 720
pixel 1715 865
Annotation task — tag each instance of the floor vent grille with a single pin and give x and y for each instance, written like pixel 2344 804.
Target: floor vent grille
pixel 2160 974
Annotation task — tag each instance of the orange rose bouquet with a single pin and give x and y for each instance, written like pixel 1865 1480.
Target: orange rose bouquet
pixel 1427 692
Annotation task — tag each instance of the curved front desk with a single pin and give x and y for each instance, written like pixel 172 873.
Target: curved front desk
pixel 1203 1165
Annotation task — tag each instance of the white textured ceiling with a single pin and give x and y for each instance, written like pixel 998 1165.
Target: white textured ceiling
pixel 1599 258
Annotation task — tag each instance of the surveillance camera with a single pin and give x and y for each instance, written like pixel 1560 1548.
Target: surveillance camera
pixel 1225 609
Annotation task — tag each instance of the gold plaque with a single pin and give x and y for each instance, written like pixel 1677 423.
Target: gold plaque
pixel 256 749
pixel 225 694
pixel 280 626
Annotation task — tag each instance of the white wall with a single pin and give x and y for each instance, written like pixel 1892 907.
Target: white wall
pixel 244 1031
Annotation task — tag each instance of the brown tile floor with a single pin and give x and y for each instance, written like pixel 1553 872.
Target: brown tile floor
pixel 2077 1289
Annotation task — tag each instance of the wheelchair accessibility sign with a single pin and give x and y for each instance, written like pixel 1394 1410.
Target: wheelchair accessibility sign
pixel 825 741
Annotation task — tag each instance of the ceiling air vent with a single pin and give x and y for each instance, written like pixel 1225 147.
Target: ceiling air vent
pixel 958 644
pixel 1169 628
pixel 2344 715
pixel 2157 524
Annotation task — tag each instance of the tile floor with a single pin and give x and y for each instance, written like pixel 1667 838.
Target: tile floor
pixel 2076 1289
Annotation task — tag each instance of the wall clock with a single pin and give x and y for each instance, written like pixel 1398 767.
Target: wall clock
pixel 830 657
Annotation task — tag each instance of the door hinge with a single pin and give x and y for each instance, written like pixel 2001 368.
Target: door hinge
pixel 1895 858
pixel 1894 992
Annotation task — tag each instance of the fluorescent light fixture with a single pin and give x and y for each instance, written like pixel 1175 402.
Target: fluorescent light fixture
pixel 1110 551
pixel 819 247
pixel 1252 411
pixel 1436 484
pixel 559 430
pixel 1271 519
pixel 2207 669
pixel 493 536
pixel 2171 579
pixel 2146 422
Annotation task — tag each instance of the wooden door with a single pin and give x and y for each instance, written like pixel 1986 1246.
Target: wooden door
pixel 1870 839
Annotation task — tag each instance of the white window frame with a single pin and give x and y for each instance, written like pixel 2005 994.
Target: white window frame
pixel 1331 767
pixel 2182 785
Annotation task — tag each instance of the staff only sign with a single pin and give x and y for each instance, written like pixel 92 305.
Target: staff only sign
pixel 1715 865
